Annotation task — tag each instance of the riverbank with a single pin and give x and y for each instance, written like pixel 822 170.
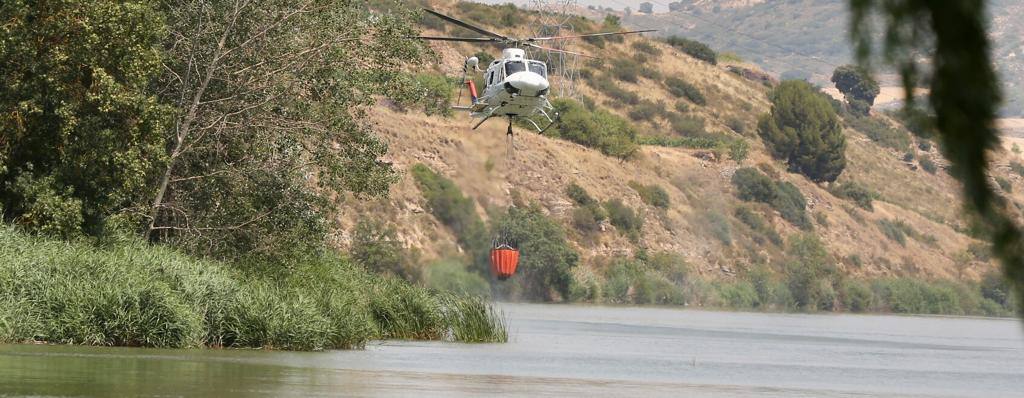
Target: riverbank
pixel 135 294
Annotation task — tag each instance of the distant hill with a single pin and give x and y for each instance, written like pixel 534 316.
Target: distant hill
pixel 808 38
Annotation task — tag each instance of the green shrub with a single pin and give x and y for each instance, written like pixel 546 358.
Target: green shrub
pixel 810 272
pixel 446 203
pixel 451 275
pixel 376 247
pixel 738 149
pixel 642 46
pixel 736 124
pixel 856 296
pixel 687 126
pixel 435 94
pixel 653 194
pixel 783 196
pixel 608 87
pixel 928 165
pixel 588 218
pixel 857 85
pixel 672 265
pixel 647 111
pixel 881 132
pixel 682 142
pixel 739 294
pixel 632 281
pixel 764 231
pixel 719 227
pixel 599 129
pixel 681 88
pixel 694 48
pixel 802 129
pixel 547 267
pixel 624 218
pixel 860 195
pixel 896 230
pixel 625 69
pixel 579 195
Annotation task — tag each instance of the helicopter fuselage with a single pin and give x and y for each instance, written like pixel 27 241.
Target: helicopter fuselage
pixel 515 86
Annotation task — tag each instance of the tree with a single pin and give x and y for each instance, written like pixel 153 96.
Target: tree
pixel 856 84
pixel 270 122
pixel 375 245
pixel 964 97
pixel 802 129
pixel 547 258
pixel 646 8
pixel 80 132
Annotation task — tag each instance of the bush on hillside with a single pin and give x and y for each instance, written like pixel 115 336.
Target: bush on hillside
pixel 645 47
pixel 860 195
pixel 687 126
pixel 376 247
pixel 802 129
pixel 625 69
pixel 446 202
pixel 928 164
pixel 435 94
pixel 653 194
pixel 786 198
pixel 694 48
pixel 764 231
pixel 608 87
pixel 588 219
pixel 624 218
pixel 547 268
pixel 1004 184
pixel 631 281
pixel 598 129
pixel 579 195
pixel 811 273
pixel 683 89
pixel 857 85
pixel 647 111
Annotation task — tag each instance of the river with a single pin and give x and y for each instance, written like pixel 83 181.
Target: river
pixel 560 350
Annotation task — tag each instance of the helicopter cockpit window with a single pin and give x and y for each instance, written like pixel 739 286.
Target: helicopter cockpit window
pixel 514 67
pixel 539 68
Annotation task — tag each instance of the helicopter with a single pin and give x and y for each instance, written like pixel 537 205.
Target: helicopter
pixel 516 86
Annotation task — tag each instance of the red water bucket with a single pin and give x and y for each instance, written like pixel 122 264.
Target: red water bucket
pixel 504 262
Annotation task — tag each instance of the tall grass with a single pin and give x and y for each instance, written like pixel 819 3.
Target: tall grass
pixel 133 294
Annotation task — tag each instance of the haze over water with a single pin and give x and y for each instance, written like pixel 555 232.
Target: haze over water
pixel 558 350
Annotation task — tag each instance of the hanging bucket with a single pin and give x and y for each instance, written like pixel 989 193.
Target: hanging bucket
pixel 504 257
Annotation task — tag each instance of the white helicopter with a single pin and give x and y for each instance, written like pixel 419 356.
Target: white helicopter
pixel 516 86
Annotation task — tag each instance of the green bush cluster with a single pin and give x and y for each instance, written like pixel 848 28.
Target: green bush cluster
pixel 863 197
pixel 132 294
pixel 376 247
pixel 624 218
pixel 614 91
pixel 694 48
pixel 434 93
pixel 652 194
pixel 683 89
pixel 625 69
pixel 598 129
pixel 647 111
pixel 687 125
pixel 1017 168
pixel 645 47
pixel 928 164
pixel 632 281
pixel 1004 184
pixel 589 214
pixel 764 231
pixel 446 202
pixel 786 198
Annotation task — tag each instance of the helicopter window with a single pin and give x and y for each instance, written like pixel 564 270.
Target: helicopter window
pixel 514 66
pixel 539 68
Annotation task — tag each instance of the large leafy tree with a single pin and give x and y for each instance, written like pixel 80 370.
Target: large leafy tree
pixel 802 129
pixel 857 85
pixel 80 131
pixel 964 96
pixel 270 126
pixel 547 258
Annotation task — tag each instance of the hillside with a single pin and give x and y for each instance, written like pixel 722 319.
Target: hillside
pixel 700 223
pixel 809 38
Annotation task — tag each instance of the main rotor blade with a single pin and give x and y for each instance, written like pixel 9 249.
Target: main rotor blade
pixel 466 25
pixel 558 51
pixel 589 35
pixel 466 39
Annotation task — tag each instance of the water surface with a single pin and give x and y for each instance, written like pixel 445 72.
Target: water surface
pixel 558 350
